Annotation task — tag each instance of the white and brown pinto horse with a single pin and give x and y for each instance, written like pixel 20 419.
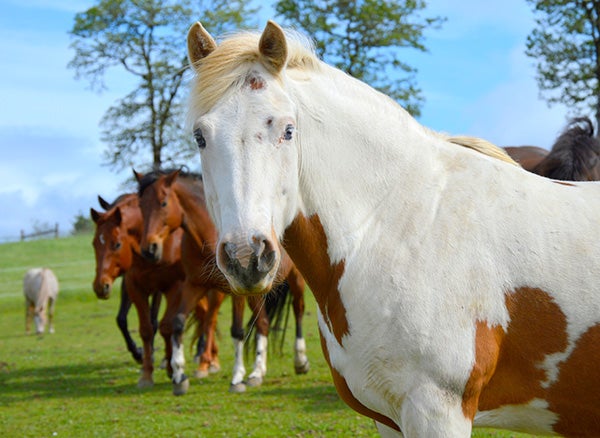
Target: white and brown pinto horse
pixel 454 289
pixel 40 287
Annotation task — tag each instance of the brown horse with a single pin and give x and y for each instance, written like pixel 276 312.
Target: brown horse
pixel 116 246
pixel 527 156
pixel 172 199
pixel 106 275
pixel 575 155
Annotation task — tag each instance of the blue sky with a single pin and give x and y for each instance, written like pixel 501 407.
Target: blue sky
pixel 476 80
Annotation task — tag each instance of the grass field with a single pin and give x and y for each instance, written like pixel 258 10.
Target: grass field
pixel 81 381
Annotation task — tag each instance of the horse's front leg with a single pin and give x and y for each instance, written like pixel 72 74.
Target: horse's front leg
pixel 140 301
pixel 29 311
pixel 210 355
pixel 190 295
pixel 124 306
pixel 173 296
pixel 238 303
pixel 297 285
pixel 262 332
pixel 154 308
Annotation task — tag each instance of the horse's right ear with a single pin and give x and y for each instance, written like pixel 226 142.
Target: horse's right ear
pixel 94 215
pixel 103 203
pixel 118 216
pixel 199 42
pixel 138 176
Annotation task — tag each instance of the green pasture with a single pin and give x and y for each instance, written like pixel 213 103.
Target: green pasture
pixel 81 381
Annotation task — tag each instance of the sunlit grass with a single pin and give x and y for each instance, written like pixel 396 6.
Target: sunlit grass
pixel 81 381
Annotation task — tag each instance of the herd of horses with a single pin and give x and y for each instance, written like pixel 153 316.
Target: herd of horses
pixel 161 242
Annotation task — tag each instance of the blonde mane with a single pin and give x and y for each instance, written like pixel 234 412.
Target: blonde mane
pixel 224 70
pixel 484 147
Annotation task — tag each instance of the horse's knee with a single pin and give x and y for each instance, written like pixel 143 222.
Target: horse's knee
pixel 178 323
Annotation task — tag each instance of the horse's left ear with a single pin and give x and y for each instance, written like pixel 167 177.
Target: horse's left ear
pixel 199 42
pixel 273 47
pixel 95 215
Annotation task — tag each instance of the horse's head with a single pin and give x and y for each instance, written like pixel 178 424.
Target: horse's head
pixel 112 247
pixel 161 211
pixel 245 125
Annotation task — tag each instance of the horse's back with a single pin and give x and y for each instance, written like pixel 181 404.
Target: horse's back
pixel 40 284
pixel 527 156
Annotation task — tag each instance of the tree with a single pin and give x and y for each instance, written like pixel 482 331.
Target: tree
pixel 566 46
pixel 364 38
pixel 82 224
pixel 146 39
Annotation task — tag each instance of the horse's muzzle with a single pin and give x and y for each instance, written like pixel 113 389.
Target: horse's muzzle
pixel 152 252
pixel 102 290
pixel 249 267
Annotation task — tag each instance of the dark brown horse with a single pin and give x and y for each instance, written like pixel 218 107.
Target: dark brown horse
pixel 575 155
pixel 172 199
pixel 116 246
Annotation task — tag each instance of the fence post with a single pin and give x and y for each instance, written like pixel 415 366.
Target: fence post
pixel 56 230
pixel 22 235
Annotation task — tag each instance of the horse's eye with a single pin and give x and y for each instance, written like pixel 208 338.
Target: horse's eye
pixel 163 204
pixel 199 138
pixel 289 130
pixel 117 245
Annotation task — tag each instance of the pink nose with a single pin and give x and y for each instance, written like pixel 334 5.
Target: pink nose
pixel 248 263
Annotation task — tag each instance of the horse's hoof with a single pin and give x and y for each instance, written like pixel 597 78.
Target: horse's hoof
pixel 138 356
pixel 200 374
pixel 214 368
pixel 237 388
pixel 163 364
pixel 181 388
pixel 302 369
pixel 254 381
pixel 145 383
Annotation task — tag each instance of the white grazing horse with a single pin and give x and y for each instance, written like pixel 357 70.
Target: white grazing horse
pixel 454 288
pixel 40 288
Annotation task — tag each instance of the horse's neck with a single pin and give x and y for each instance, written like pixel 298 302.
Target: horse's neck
pixel 196 220
pixel 358 149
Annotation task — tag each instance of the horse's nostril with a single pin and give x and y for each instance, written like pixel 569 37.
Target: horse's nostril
pixel 230 250
pixel 266 261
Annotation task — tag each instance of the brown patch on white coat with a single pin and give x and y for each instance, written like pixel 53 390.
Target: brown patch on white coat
pixel 306 243
pixel 509 367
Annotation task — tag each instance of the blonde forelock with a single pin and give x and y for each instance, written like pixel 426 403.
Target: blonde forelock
pixel 225 69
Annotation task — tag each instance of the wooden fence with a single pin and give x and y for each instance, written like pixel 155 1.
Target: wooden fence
pixel 40 233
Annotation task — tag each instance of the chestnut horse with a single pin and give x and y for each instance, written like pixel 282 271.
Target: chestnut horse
pixel 575 155
pixel 453 288
pixel 116 247
pixel 103 282
pixel 172 199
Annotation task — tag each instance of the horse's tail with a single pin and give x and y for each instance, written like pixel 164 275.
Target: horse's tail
pixel 277 307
